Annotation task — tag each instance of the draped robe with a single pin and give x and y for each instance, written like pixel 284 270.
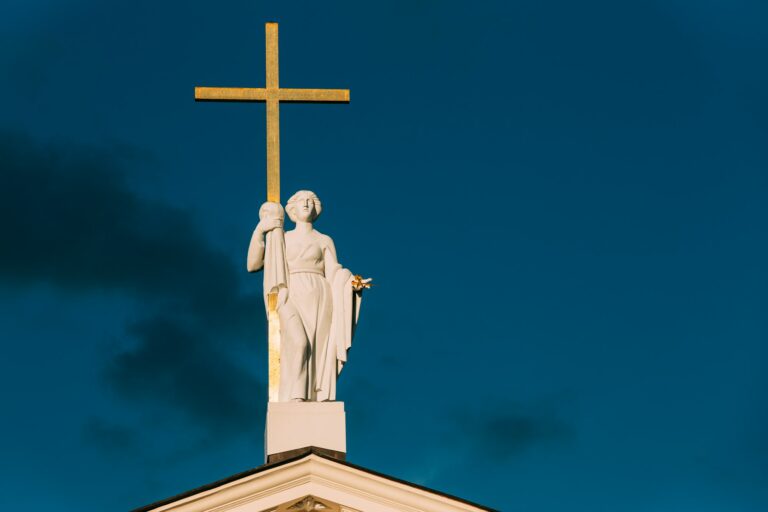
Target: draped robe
pixel 318 319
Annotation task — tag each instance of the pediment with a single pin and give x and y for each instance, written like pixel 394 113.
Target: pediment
pixel 313 483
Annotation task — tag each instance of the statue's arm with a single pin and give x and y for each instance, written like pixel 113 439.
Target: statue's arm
pixel 255 260
pixel 331 262
pixel 332 265
pixel 270 217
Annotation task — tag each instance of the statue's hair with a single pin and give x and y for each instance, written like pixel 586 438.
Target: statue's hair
pixel 290 207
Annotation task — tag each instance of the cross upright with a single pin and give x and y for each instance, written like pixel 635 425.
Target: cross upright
pixel 272 94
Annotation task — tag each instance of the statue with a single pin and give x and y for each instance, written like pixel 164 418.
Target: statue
pixel 318 301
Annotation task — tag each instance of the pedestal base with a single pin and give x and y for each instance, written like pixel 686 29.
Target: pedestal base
pixel 295 425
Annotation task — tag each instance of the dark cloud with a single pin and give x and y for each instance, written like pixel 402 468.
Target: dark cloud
pixel 175 366
pixel 510 429
pixel 69 220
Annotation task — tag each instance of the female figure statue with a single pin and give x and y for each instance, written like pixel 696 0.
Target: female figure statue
pixel 318 301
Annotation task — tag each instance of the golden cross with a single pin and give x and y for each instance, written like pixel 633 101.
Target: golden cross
pixel 272 94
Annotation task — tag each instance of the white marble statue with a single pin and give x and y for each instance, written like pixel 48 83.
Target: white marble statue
pixel 318 300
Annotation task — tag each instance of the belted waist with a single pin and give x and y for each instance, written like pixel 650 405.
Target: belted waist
pixel 306 271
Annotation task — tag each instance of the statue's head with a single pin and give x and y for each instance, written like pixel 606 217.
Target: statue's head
pixel 304 206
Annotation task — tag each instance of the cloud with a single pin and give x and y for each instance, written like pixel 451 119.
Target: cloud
pixel 176 366
pixel 69 220
pixel 509 430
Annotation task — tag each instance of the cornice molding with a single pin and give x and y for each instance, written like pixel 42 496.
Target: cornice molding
pixel 312 475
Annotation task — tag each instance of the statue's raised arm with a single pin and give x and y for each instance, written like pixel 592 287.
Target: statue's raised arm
pixel 270 218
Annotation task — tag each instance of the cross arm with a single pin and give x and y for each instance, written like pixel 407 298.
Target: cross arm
pixel 315 95
pixel 230 94
pixel 261 94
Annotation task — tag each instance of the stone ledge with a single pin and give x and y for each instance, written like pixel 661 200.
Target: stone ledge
pixel 298 452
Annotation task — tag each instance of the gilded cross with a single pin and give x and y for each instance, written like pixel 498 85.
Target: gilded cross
pixel 272 94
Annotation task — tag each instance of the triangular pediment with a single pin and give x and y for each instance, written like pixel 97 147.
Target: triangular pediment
pixel 313 483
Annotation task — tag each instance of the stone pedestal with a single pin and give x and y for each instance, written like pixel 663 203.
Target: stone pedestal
pixel 295 425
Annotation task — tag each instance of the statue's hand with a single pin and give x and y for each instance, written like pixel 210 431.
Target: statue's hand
pixel 358 283
pixel 270 210
pixel 271 217
pixel 267 225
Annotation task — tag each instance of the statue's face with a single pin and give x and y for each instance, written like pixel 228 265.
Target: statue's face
pixel 305 209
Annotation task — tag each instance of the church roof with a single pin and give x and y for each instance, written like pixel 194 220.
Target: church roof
pixel 313 473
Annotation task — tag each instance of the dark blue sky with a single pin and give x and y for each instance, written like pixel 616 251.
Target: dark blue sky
pixel 563 205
